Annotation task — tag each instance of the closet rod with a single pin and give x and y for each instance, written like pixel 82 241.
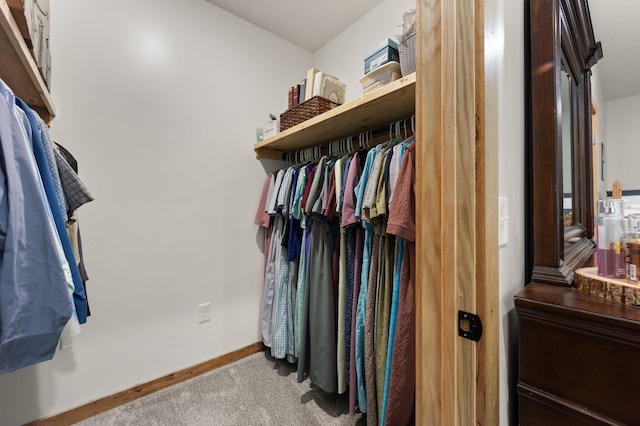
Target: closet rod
pixel 375 137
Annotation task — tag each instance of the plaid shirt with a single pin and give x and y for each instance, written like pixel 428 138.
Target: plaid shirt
pixel 75 192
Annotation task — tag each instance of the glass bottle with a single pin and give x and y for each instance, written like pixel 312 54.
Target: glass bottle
pixel 610 239
pixel 633 248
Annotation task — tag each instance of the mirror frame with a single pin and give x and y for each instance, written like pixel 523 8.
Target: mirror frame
pixel 553 29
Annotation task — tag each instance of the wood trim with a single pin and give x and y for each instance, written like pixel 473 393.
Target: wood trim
pixel 107 403
pixel 456 205
pixel 570 308
pixel 544 95
pixel 465 175
pixel 531 394
pixel 429 212
pixel 487 264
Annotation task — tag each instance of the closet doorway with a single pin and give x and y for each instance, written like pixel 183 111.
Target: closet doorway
pixel 456 213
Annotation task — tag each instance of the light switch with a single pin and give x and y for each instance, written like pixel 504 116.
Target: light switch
pixel 503 221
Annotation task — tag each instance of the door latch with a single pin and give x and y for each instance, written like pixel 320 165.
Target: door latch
pixel 469 326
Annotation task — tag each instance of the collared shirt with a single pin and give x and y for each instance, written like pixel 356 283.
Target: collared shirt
pixel 53 167
pixel 35 303
pixel 75 192
pixel 362 184
pixel 79 296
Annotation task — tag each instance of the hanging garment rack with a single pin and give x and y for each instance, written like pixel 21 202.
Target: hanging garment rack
pixel 365 140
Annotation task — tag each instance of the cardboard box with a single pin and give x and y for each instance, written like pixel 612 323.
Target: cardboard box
pixel 32 17
pixel 383 53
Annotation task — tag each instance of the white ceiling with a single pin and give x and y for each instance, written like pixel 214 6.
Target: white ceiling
pixel 616 24
pixel 312 23
pixel 309 24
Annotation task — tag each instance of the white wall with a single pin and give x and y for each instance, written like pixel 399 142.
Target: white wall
pixel 601 131
pixel 343 56
pixel 511 158
pixel 158 101
pixel 623 143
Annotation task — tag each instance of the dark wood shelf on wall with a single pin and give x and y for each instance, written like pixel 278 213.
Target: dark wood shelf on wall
pixel 18 67
pixel 395 101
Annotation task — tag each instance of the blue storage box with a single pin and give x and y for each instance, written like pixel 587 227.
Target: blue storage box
pixel 386 51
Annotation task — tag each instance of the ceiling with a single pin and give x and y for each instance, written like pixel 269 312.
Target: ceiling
pixel 310 24
pixel 615 24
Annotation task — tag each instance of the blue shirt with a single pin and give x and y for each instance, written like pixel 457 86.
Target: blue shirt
pixel 79 296
pixel 35 303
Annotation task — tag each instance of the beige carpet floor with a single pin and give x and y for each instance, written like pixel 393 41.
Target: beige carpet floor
pixel 257 390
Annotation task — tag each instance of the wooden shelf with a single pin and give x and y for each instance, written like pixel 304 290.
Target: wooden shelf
pixel 18 67
pixel 395 101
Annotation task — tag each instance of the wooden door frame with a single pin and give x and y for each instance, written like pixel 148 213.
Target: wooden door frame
pixel 457 212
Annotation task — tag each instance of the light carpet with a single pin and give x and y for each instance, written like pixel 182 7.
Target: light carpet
pixel 257 390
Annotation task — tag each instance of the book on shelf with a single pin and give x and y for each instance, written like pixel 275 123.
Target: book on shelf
pixel 329 87
pixel 311 75
pixel 296 94
pixel 317 83
pixel 303 87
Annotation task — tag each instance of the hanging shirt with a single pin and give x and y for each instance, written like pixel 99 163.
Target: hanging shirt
pixel 394 168
pixel 339 167
pixel 75 192
pixel 273 201
pixel 378 206
pixel 262 218
pixel 79 297
pixel 360 188
pixel 369 334
pixel 295 231
pixel 361 314
pixel 399 409
pixel 372 183
pixel 349 199
pixel 53 165
pixel 268 293
pixel 35 302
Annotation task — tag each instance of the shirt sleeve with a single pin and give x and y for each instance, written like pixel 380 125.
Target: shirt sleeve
pixel 402 213
pixel 262 217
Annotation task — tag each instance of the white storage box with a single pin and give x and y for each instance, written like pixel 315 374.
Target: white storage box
pixel 381 76
pixel 271 128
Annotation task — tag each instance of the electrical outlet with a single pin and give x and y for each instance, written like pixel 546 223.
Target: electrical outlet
pixel 204 312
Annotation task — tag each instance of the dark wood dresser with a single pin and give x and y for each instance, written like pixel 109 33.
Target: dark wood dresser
pixel 579 358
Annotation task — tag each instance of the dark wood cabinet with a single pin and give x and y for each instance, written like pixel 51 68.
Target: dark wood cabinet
pixel 579 358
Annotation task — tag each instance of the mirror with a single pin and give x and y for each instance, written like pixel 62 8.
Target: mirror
pixel 616 89
pixel 561 51
pixel 567 169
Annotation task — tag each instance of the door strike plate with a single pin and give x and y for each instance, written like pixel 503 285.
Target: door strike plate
pixel 469 326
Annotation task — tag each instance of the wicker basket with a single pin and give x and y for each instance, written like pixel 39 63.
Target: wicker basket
pixel 407 50
pixel 304 111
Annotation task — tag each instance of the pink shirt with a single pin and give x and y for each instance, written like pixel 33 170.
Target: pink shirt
pixel 349 201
